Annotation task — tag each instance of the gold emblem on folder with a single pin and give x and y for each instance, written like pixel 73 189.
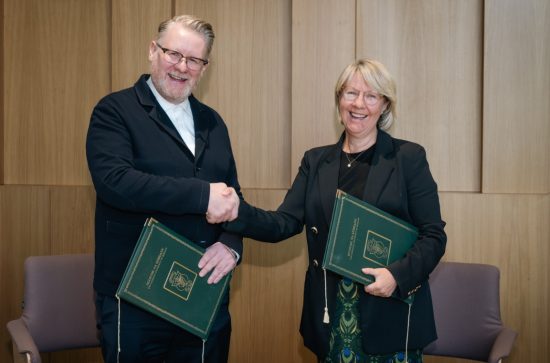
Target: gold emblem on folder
pixel 180 281
pixel 377 248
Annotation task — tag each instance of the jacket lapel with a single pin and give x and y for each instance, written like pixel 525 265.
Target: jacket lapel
pixel 156 113
pixel 329 169
pixel 381 169
pixel 202 129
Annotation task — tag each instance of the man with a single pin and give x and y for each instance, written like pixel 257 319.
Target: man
pixel 155 151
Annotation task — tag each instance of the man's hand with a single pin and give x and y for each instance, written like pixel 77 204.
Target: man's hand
pixel 220 258
pixel 223 204
pixel 384 284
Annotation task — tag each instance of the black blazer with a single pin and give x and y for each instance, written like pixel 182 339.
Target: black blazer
pixel 141 168
pixel 399 183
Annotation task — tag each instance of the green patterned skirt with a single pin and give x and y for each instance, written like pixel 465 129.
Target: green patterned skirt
pixel 345 336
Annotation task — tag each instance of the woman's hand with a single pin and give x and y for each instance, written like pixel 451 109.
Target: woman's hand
pixel 384 284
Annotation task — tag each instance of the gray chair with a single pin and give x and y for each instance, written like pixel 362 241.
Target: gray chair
pixel 58 308
pixel 466 302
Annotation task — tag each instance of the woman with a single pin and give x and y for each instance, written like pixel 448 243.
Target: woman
pixel 366 323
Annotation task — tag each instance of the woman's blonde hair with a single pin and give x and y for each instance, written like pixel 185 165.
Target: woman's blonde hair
pixel 379 79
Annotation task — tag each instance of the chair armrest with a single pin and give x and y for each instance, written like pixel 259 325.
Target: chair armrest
pixel 23 340
pixel 503 345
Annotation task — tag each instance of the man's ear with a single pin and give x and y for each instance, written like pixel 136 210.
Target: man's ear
pixel 152 48
pixel 204 69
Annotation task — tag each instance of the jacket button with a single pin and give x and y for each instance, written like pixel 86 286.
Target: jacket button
pixel 315 263
pixel 314 230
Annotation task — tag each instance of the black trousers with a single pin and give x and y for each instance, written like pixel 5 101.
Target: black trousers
pixel 145 338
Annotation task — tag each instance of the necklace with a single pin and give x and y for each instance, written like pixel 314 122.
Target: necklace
pixel 350 161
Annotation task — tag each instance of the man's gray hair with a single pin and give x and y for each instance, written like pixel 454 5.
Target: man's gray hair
pixel 193 23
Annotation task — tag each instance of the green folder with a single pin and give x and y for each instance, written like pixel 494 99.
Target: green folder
pixel 162 278
pixel 362 235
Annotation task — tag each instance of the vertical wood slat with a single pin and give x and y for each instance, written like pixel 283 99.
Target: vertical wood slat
pixel 72 216
pixel 433 49
pixel 56 60
pixel 134 25
pixel 2 45
pixel 516 129
pixel 248 83
pixel 323 43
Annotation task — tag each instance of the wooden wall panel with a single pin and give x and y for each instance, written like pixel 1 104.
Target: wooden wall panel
pixel 323 44
pixel 56 68
pixel 433 49
pixel 511 232
pixel 72 216
pixel 2 44
pixel 266 296
pixel 24 231
pixel 134 24
pixel 248 83
pixel 516 129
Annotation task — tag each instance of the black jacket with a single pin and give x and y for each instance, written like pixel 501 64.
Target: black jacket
pixel 399 183
pixel 141 168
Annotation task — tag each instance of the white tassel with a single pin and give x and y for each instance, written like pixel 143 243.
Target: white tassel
pixel 203 348
pixel 326 318
pixel 118 329
pixel 407 337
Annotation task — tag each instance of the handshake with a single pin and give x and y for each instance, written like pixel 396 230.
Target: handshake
pixel 223 205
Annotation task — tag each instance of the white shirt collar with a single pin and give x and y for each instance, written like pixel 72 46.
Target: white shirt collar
pixel 180 115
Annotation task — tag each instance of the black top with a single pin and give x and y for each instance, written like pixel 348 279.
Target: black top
pixel 353 179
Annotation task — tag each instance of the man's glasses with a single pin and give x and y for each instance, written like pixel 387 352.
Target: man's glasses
pixel 370 98
pixel 174 57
